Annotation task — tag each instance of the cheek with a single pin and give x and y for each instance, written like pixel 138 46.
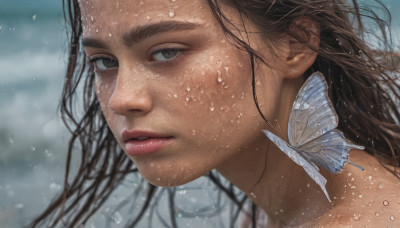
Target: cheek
pixel 104 90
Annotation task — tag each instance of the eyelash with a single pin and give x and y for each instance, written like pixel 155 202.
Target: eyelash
pixel 169 62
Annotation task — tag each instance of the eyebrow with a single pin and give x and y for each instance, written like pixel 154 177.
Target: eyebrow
pixel 140 33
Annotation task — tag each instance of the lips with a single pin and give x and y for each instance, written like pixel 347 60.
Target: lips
pixel 142 142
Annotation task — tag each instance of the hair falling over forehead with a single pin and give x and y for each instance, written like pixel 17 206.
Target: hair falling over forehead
pixel 361 86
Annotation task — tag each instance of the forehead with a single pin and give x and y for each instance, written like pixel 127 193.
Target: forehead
pixel 98 13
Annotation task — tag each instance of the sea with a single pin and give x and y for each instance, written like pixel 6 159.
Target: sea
pixel 33 139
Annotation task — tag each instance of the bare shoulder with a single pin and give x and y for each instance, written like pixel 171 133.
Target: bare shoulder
pixel 371 198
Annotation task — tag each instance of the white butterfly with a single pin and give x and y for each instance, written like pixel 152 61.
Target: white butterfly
pixel 312 132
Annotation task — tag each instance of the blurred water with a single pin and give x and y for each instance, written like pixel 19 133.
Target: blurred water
pixel 32 139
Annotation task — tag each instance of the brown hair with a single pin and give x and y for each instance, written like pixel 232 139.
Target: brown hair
pixel 361 82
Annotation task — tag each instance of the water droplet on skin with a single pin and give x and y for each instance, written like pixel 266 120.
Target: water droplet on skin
pixel 171 13
pixel 360 196
pixel 193 132
pixel 188 88
pixel 226 70
pixel 308 185
pixel 97 30
pixel 253 195
pixel 109 34
pixel 369 178
pixel 392 218
pixel 349 174
pixel 187 99
pixel 219 79
pixel 34 16
pixel 381 186
pixel 148 18
pixel 385 203
pixel 377 214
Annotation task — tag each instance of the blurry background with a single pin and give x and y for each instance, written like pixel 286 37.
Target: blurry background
pixel 33 140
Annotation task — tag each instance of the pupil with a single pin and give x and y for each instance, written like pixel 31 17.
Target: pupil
pixel 110 63
pixel 169 54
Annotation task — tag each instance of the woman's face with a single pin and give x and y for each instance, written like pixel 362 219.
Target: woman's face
pixel 175 93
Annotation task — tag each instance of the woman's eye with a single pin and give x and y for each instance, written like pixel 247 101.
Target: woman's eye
pixel 165 54
pixel 104 63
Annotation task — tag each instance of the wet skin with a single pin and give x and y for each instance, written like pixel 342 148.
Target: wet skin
pixel 187 83
pixel 190 86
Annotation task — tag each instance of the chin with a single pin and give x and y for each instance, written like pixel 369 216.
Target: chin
pixel 171 177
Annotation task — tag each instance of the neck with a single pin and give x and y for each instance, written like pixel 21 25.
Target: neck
pixel 272 180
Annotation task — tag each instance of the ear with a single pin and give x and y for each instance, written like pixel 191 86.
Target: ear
pixel 304 38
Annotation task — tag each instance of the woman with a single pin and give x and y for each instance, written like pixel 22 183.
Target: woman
pixel 187 87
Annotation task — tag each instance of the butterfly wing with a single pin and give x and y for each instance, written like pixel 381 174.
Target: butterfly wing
pixel 312 113
pixel 330 150
pixel 308 166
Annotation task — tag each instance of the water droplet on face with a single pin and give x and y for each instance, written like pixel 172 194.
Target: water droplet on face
pixel 377 214
pixel 381 186
pixel 97 30
pixel 193 132
pixel 385 203
pixel 360 196
pixel 171 13
pixel 188 88
pixel 392 218
pixel 212 109
pixel 253 195
pixel 34 16
pixel 109 34
pixel 148 18
pixel 175 95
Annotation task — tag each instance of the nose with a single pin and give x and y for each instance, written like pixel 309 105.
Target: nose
pixel 130 94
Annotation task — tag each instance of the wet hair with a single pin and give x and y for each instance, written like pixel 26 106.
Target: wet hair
pixel 362 87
